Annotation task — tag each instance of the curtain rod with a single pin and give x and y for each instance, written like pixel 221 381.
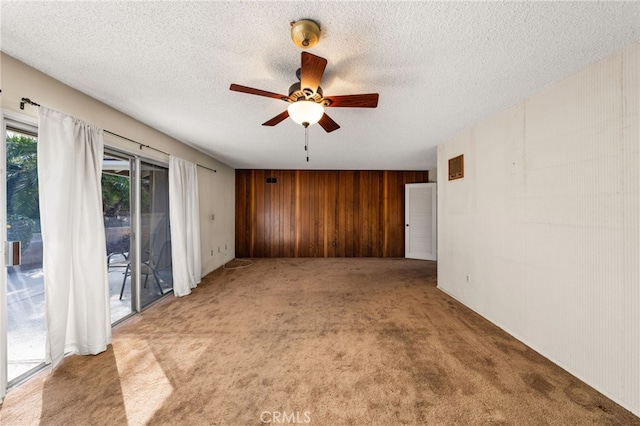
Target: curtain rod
pixel 208 168
pixel 30 102
pixel 140 144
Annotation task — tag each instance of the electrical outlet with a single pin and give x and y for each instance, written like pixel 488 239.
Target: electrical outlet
pixel 211 252
pixel 469 278
pixel 218 249
pixel 225 247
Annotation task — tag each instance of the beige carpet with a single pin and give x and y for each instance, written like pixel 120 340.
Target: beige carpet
pixel 321 341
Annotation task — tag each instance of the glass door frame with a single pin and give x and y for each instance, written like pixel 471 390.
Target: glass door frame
pixel 134 208
pixel 148 242
pixel 136 224
pixel 29 125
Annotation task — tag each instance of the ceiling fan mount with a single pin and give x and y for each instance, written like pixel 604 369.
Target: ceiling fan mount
pixel 305 33
pixel 308 90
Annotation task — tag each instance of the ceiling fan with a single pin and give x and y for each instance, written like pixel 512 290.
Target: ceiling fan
pixel 306 99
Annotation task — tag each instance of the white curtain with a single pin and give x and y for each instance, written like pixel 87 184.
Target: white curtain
pixel 184 214
pixel 76 283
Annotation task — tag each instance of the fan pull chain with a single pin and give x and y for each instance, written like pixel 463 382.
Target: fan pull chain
pixel 306 141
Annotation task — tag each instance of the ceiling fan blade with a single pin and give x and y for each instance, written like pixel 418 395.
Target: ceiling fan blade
pixel 328 124
pixel 252 91
pixel 369 100
pixel 278 118
pixel 311 71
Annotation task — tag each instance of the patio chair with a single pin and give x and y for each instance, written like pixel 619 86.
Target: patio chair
pixel 152 266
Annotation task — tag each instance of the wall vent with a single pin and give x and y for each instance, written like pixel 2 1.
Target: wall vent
pixel 456 167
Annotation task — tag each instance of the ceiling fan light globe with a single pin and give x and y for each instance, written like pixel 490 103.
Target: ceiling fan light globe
pixel 305 112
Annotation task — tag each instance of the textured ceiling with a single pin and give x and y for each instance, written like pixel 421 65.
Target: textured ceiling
pixel 439 67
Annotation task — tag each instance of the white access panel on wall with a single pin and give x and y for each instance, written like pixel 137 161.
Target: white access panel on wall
pixel 420 221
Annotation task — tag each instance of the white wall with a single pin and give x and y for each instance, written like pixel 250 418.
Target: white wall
pixel 217 190
pixel 546 224
pixel 433 175
pixel 217 200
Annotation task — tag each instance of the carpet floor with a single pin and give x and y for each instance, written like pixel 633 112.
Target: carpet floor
pixel 311 341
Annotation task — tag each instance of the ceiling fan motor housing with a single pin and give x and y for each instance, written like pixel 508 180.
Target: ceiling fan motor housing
pixel 305 33
pixel 296 93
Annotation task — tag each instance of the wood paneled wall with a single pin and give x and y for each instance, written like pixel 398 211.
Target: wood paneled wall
pixel 321 213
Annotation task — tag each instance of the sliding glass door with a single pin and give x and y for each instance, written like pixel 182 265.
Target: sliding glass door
pixel 155 235
pixel 135 196
pixel 24 279
pixel 116 207
pixel 136 279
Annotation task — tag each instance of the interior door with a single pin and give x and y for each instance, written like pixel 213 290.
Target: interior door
pixel 420 221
